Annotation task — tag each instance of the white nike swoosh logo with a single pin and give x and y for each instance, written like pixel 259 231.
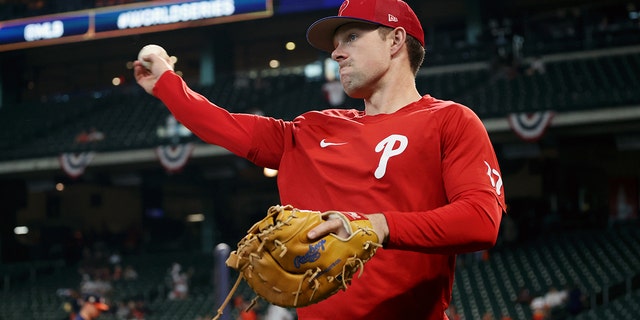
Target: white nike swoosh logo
pixel 324 144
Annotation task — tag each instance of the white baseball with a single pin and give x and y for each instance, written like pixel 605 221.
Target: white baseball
pixel 151 48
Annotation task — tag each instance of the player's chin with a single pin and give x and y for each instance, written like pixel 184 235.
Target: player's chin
pixel 352 91
pixel 347 86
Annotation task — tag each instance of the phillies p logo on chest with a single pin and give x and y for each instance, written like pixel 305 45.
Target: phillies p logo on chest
pixel 390 146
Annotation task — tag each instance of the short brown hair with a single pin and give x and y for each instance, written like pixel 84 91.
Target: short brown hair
pixel 414 48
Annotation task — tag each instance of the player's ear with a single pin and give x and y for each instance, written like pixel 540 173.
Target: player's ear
pixel 399 37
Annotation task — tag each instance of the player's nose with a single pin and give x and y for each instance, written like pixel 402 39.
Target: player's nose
pixel 338 54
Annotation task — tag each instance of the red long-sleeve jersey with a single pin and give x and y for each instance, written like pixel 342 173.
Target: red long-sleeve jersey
pixel 429 168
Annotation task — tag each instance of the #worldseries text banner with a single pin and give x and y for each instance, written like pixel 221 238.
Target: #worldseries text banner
pixel 144 17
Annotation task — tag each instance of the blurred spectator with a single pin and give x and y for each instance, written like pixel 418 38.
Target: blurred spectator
pixel 137 309
pixel 552 303
pixel 95 135
pixel 87 284
pixel 524 296
pixel 122 311
pixel 179 283
pixel 452 313
pixel 575 301
pixel 97 285
pixel 72 301
pixel 116 275
pixel 555 298
pixel 129 273
pixel 487 316
pixel 537 66
pixel 82 137
pixel 92 306
pixel 538 308
pixel 115 258
pixel 334 93
pixel 278 313
pixel 172 130
pixel 242 307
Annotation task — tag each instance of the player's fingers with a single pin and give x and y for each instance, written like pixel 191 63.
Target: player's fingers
pixel 139 71
pixel 159 64
pixel 335 226
pixel 144 77
pixel 149 59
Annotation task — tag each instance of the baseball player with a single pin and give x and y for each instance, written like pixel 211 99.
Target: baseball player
pixel 423 170
pixel 91 308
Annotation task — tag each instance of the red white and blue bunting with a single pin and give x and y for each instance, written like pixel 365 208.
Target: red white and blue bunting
pixel 174 158
pixel 74 164
pixel 530 126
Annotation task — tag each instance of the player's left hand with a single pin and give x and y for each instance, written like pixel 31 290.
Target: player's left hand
pixel 337 227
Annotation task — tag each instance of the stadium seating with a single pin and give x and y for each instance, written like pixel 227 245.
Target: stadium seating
pixel 602 264
pixel 567 85
pixel 627 307
pixel 130 118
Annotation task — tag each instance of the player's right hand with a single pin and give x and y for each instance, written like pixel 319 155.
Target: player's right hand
pixel 147 78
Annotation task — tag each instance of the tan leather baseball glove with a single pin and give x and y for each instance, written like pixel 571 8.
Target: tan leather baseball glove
pixel 282 266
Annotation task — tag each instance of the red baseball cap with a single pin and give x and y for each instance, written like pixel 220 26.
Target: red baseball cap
pixel 97 301
pixel 390 13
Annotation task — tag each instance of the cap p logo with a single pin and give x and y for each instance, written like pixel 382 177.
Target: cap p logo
pixel 390 13
pixel 344 6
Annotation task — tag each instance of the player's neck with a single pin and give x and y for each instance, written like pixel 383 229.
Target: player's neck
pixel 396 89
pixel 392 100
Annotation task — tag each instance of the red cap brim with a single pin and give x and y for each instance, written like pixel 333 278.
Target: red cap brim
pixel 101 306
pixel 320 33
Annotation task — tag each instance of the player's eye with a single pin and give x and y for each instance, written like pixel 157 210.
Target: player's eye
pixel 346 38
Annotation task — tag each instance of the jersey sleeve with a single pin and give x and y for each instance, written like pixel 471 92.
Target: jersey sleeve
pixel 259 139
pixel 473 186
